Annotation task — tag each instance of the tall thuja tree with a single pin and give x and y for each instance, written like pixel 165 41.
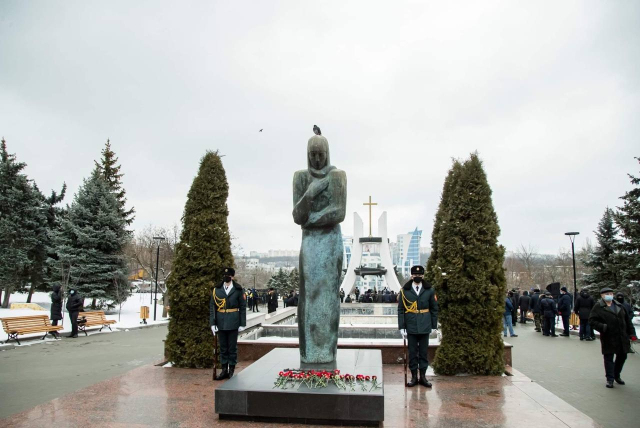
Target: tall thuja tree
pixel 21 219
pixel 433 272
pixel 628 220
pixel 202 254
pixel 88 244
pixel 471 285
pixel 110 171
pixel 604 259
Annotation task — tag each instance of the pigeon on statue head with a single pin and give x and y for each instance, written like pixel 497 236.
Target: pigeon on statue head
pixel 316 130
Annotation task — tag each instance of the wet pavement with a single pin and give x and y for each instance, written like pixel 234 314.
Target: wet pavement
pixel 574 370
pixel 151 396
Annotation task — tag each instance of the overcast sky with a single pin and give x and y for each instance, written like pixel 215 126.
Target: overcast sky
pixel 546 92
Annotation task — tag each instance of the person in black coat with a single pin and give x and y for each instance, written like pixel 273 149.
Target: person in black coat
pixel 549 312
pixel 56 307
pixel 564 309
pixel 515 296
pixel 357 294
pixel 610 319
pixel 293 299
pixel 584 303
pixel 272 300
pixel 535 308
pixel 524 303
pixel 626 305
pixel 74 307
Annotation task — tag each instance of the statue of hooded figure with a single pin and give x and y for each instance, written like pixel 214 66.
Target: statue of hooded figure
pixel 320 202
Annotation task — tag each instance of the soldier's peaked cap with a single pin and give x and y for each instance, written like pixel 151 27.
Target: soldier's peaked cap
pixel 417 270
pixel 229 271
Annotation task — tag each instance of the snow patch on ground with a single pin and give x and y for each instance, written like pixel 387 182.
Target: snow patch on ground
pixel 128 317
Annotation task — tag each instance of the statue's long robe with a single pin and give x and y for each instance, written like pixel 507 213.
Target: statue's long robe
pixel 321 255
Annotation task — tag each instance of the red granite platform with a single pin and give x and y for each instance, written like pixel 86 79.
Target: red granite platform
pixel 153 396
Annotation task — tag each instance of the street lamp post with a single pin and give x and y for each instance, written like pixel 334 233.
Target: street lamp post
pixel 572 237
pixel 158 239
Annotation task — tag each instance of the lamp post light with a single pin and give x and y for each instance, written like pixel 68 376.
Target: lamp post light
pixel 572 237
pixel 158 239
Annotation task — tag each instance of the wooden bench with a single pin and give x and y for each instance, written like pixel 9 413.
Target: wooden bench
pixel 15 326
pixel 93 319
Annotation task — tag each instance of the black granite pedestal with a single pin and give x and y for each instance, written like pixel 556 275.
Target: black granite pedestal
pixel 251 395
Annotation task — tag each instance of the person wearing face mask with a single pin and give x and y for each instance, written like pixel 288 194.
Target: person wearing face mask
pixel 417 317
pixel 228 317
pixel 610 319
pixel 74 307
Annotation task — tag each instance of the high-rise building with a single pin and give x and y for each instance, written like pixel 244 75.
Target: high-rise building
pixel 347 242
pixel 407 252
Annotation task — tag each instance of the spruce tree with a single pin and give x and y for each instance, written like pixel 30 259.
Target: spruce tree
pixel 604 260
pixel 21 221
pixel 471 285
pixel 294 279
pixel 39 273
pixel 628 220
pixel 89 244
pixel 110 172
pixel 203 252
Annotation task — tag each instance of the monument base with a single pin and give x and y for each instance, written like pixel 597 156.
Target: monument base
pixel 250 395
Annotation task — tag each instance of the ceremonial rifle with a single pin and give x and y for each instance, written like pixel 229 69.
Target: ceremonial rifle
pixel 215 356
pixel 404 347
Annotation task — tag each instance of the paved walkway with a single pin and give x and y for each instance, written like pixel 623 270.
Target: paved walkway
pixel 157 397
pixel 118 385
pixel 574 371
pixel 32 375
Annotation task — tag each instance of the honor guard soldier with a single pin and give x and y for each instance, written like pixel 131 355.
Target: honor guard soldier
pixel 227 317
pixel 417 316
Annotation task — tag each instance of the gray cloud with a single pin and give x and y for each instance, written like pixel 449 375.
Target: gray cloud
pixel 547 92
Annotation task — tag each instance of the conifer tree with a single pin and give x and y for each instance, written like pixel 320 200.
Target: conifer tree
pixel 604 260
pixel 628 220
pixel 21 223
pixel 43 229
pixel 110 172
pixel 280 281
pixel 431 272
pixel 294 279
pixel 203 252
pixel 471 285
pixel 89 244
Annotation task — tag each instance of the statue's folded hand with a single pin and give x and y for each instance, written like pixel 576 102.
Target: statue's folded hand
pixel 316 187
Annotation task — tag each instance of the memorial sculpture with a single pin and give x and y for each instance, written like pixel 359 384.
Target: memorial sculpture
pixel 319 199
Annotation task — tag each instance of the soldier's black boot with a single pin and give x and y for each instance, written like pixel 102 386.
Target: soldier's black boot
pixel 224 374
pixel 423 378
pixel 231 370
pixel 414 379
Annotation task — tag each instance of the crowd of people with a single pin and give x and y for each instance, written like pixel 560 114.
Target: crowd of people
pixel 610 315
